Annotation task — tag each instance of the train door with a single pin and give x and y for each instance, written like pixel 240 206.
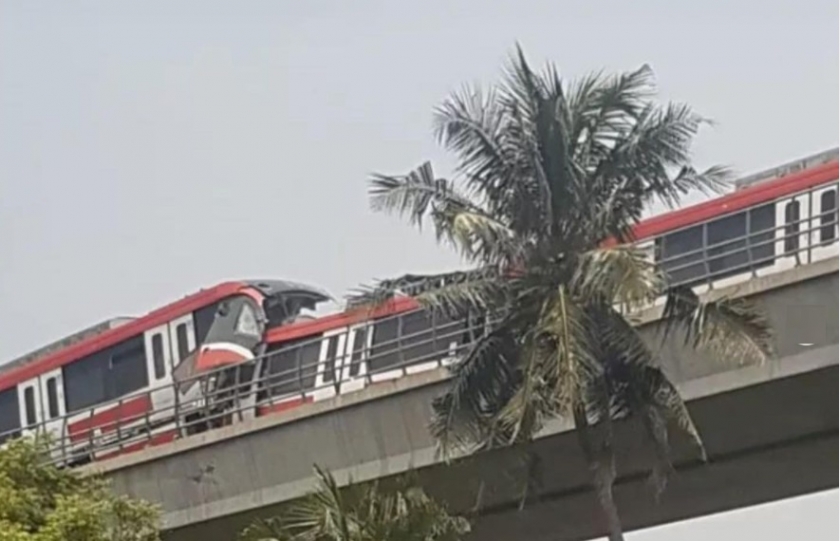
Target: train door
pixel 52 400
pixel 791 233
pixel 354 366
pixel 42 406
pixel 31 410
pixel 824 223
pixel 328 376
pixel 181 345
pixel 159 354
pixel 181 338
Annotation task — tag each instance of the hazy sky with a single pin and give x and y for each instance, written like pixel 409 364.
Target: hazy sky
pixel 148 149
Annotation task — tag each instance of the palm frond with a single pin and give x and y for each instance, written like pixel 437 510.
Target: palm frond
pixel 326 512
pixel 711 181
pixel 657 432
pixel 534 400
pixel 666 398
pixel 454 294
pixel 657 145
pixel 544 120
pixel 477 236
pixel 732 329
pixel 613 206
pixel 555 148
pixel 637 382
pixel 483 382
pixel 643 389
pixel 470 123
pixel 407 514
pixel 637 386
pixel 481 293
pixel 619 274
pixel 605 108
pixel 271 529
pixel 618 340
pixel 361 513
pixel 487 134
pixel 420 196
pixel 529 118
pixel 650 160
pixel 412 195
pixel 564 327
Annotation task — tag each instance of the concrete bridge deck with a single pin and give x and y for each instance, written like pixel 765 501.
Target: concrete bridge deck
pixel 770 430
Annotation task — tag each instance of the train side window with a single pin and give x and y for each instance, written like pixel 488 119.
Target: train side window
pixel 52 398
pixel 283 375
pixel 828 215
pixel 726 243
pixel 85 381
pixel 792 217
pixel 203 319
pixel 417 333
pixel 449 330
pixel 385 345
pixel 762 231
pixel 183 345
pixel 29 406
pixel 157 356
pixel 9 414
pixel 681 255
pixel 128 370
pixel 308 358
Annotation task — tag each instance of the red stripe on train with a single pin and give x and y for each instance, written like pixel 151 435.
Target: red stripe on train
pixel 157 439
pixel 109 420
pixel 210 357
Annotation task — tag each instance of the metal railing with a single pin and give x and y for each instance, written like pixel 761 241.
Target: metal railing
pixel 215 404
pixel 243 399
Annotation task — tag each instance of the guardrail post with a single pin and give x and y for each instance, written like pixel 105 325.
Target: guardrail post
pixel 146 416
pixel 299 369
pixel 118 420
pixel 237 373
pixel 90 433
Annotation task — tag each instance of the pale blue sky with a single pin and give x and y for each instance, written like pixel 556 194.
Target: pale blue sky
pixel 151 148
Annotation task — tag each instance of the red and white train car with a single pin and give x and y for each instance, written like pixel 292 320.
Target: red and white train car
pixel 104 389
pixel 117 380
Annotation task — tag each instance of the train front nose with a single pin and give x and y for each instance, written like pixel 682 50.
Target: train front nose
pixel 221 354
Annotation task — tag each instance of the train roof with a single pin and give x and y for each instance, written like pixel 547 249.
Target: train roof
pixel 769 190
pixel 99 337
pixel 740 199
pixel 84 334
pixel 786 169
pixel 270 288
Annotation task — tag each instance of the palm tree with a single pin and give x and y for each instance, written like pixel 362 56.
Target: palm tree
pixel 361 513
pixel 550 178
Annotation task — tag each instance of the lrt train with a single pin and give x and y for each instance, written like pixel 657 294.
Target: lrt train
pixel 130 384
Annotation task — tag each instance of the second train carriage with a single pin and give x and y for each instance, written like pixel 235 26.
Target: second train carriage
pixel 764 228
pixel 259 360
